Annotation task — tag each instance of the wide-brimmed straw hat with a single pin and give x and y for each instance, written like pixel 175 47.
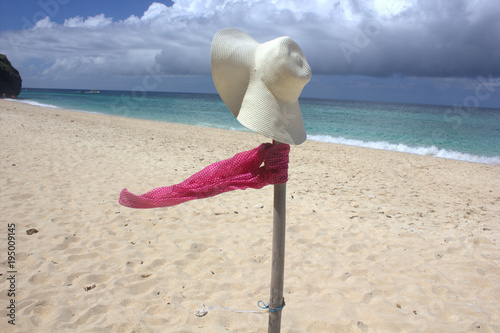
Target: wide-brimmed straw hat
pixel 261 83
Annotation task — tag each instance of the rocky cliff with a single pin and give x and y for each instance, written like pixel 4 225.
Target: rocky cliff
pixel 10 80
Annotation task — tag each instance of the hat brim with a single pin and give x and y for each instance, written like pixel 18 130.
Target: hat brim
pixel 232 57
pixel 270 117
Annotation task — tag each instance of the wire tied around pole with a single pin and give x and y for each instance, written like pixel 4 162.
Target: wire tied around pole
pixel 266 306
pixel 202 312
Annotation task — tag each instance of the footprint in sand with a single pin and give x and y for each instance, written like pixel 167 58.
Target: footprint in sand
pixel 142 287
pixel 345 276
pixel 44 308
pixel 355 247
pixel 93 314
pixel 39 278
pixel 21 197
pixel 97 278
pixel 156 264
pixel 198 248
pixel 367 298
pixel 78 257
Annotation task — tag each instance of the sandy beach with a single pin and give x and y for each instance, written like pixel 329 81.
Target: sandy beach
pixel 376 241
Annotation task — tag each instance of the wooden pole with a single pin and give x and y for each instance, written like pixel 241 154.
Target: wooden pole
pixel 278 257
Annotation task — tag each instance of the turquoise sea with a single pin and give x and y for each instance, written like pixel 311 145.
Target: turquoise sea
pixel 455 132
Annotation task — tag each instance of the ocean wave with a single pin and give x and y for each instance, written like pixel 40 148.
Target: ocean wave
pixel 35 103
pixel 428 151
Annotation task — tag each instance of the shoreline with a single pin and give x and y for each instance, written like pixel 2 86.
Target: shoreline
pixel 377 240
pixel 432 151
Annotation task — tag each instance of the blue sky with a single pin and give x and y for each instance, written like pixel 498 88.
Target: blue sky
pixel 417 51
pixel 17 15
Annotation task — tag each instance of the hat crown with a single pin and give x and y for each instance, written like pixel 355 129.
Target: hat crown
pixel 283 68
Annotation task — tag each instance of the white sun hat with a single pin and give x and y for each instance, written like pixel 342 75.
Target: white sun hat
pixel 261 83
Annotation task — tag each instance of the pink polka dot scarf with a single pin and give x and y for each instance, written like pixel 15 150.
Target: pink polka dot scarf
pixel 242 171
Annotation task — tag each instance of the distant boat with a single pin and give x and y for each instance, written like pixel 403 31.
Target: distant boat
pixel 90 92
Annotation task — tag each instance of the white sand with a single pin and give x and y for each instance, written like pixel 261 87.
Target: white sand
pixel 376 241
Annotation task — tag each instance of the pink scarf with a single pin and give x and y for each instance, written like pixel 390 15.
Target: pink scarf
pixel 242 171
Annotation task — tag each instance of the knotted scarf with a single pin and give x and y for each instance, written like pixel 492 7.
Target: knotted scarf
pixel 242 171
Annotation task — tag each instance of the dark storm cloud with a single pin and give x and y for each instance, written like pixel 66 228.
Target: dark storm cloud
pixel 431 38
pixel 440 38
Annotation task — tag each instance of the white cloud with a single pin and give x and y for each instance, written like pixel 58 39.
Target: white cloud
pixel 353 37
pixel 132 19
pixel 91 22
pixel 44 23
pixel 156 9
pixel 390 8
